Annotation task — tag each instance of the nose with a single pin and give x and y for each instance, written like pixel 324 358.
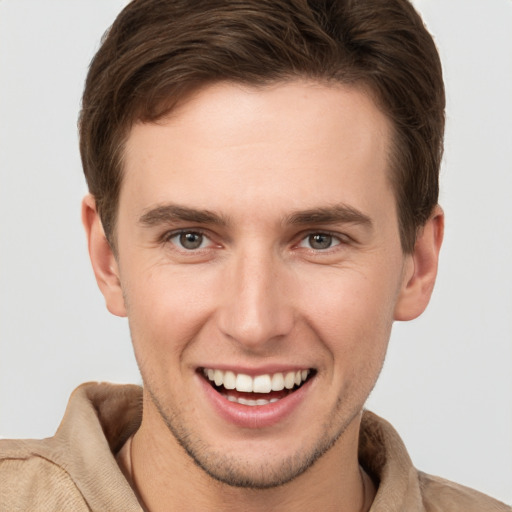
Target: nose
pixel 257 308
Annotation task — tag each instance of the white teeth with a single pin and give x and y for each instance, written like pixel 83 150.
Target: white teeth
pixel 289 380
pixel 259 384
pixel 218 377
pixel 229 380
pixel 277 382
pixel 243 383
pixel 262 384
pixel 252 403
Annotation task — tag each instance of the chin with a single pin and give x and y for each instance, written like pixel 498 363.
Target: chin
pixel 256 466
pixel 244 472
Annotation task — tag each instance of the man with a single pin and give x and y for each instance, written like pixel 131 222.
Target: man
pixel 263 206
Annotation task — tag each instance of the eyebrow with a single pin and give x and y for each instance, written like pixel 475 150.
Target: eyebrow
pixel 168 213
pixel 339 213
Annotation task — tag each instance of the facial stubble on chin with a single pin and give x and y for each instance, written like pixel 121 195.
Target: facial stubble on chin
pixel 237 471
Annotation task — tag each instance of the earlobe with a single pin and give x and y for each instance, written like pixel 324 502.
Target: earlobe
pixel 420 276
pixel 103 261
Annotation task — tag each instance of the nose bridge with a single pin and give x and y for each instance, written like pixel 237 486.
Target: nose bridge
pixel 256 309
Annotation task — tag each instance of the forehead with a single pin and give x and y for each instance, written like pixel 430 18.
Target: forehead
pixel 293 144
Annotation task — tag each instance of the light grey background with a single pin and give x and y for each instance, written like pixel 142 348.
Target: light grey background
pixel 447 381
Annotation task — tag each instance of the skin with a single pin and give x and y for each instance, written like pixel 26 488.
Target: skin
pixel 258 292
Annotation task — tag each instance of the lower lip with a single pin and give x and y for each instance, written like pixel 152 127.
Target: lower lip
pixel 257 416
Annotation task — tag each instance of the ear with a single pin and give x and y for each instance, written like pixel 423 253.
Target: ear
pixel 421 269
pixel 102 257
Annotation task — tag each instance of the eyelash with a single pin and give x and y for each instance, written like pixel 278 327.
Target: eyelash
pixel 336 237
pixel 340 239
pixel 167 237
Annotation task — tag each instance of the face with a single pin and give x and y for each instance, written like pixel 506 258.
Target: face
pixel 260 267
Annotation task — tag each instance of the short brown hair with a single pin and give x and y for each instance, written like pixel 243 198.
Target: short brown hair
pixel 159 51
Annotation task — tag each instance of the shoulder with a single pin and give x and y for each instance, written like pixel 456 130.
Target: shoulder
pixel 401 486
pixel 439 495
pixel 76 469
pixel 31 481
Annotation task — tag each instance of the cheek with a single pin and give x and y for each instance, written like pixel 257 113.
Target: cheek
pixel 353 315
pixel 166 310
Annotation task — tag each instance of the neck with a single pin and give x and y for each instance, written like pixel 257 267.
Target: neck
pixel 165 477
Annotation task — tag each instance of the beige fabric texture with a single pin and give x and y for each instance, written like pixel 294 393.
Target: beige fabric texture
pixel 76 470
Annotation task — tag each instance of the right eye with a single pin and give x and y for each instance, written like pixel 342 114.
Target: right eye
pixel 189 240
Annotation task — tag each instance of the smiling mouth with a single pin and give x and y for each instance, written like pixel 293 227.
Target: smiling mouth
pixel 257 390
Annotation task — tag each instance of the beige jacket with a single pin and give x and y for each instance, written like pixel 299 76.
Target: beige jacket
pixel 76 470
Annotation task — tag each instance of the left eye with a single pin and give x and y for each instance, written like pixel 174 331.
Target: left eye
pixel 189 240
pixel 319 241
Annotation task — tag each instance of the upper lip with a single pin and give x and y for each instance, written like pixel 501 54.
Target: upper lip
pixel 255 371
